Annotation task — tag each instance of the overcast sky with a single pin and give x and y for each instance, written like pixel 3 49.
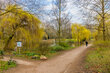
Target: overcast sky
pixel 72 9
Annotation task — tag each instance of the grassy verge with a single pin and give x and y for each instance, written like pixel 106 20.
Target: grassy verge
pixel 6 65
pixel 57 50
pixel 44 49
pixel 98 60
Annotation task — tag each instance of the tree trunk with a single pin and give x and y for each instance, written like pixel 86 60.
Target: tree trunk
pixel 103 19
pixel 59 21
pixel 8 41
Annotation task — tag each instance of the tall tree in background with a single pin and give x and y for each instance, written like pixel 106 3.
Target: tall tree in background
pixel 58 13
pixel 61 17
pixel 80 33
pixel 97 7
pixel 50 31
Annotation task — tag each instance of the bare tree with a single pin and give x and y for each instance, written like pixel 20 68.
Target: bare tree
pixel 97 8
pixel 35 7
pixel 60 16
pixel 4 4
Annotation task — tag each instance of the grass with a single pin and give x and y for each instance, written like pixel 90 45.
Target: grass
pixel 98 60
pixel 6 65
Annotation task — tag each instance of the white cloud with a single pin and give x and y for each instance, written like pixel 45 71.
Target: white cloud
pixel 48 7
pixel 2 0
pixel 49 0
pixel 72 9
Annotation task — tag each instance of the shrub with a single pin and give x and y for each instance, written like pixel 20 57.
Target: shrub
pixel 1 53
pixel 11 62
pixel 14 53
pixel 57 48
pixel 43 48
pixel 30 54
pixel 35 57
pixel 64 44
pixel 70 42
pixel 102 44
pixel 52 51
pixel 7 65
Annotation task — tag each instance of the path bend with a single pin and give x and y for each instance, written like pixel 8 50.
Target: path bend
pixel 59 64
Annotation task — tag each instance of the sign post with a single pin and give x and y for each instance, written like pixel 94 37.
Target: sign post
pixel 19 45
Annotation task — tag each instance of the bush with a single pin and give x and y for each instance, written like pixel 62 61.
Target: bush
pixel 14 53
pixel 43 48
pixel 11 62
pixel 52 51
pixel 35 57
pixel 30 54
pixel 57 48
pixel 70 42
pixel 1 53
pixel 7 65
pixel 64 44
pixel 102 44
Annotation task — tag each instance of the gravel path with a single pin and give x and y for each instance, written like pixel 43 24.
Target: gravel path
pixel 59 64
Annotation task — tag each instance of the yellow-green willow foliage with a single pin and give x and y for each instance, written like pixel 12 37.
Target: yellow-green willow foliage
pixel 19 25
pixel 80 33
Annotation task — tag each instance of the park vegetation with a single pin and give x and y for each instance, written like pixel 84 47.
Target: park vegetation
pixel 16 24
pixel 46 39
pixel 80 33
pixel 98 59
pixel 19 25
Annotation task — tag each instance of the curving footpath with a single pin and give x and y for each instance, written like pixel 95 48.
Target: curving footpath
pixel 59 64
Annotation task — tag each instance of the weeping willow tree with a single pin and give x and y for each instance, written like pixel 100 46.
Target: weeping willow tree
pixel 80 33
pixel 19 25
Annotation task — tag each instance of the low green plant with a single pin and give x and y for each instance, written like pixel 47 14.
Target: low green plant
pixel 30 54
pixel 64 44
pixel 11 62
pixel 43 48
pixel 98 60
pixel 35 57
pixel 57 48
pixel 7 65
pixel 52 51
pixel 1 53
pixel 102 44
pixel 14 53
pixel 70 41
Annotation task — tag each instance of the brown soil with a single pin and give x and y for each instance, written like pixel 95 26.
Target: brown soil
pixel 64 63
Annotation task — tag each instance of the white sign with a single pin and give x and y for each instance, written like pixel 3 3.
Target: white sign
pixel 19 44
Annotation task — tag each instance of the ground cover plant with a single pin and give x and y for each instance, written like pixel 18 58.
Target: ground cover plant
pixel 98 60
